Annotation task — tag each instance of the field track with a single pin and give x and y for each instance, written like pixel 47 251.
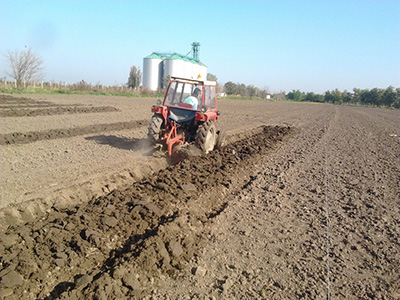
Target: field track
pixel 301 203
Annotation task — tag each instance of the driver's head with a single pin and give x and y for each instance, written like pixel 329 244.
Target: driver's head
pixel 196 92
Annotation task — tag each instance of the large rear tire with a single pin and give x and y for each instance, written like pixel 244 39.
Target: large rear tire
pixel 154 129
pixel 206 136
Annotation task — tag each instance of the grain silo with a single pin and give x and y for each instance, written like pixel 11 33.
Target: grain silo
pixel 203 71
pixel 158 66
pixel 195 70
pixel 174 65
pixel 188 67
pixel 152 71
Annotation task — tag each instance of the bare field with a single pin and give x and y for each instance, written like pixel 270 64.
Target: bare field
pixel 303 202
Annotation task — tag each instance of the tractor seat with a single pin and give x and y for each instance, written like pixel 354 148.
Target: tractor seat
pixel 181 115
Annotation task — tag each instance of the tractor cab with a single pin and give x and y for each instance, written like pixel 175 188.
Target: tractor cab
pixel 185 97
pixel 191 94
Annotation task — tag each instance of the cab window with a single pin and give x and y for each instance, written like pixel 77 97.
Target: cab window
pixel 209 97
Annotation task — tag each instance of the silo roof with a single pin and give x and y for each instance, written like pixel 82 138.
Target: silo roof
pixel 155 55
pixel 175 56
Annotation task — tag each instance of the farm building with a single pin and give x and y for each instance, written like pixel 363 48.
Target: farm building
pixel 158 66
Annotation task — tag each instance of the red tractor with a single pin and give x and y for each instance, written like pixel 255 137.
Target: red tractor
pixel 188 114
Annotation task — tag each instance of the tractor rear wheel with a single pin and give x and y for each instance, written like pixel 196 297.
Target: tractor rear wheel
pixel 153 133
pixel 206 136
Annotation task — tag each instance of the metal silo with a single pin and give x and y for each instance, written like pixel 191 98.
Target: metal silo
pixel 152 71
pixel 188 67
pixel 158 66
pixel 203 71
pixel 174 65
pixel 195 70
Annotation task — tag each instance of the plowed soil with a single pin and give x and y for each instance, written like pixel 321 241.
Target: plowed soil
pixel 28 108
pixel 302 203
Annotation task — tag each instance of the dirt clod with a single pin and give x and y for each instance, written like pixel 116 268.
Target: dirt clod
pixel 12 279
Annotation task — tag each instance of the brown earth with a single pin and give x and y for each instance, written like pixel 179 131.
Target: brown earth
pixel 303 202
pixel 27 108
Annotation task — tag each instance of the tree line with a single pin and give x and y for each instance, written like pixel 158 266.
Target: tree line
pixel 389 97
pixel 27 66
pixel 242 90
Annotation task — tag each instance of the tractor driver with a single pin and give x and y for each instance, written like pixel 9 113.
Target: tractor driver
pixel 193 99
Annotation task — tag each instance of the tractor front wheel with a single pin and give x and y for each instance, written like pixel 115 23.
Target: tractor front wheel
pixel 206 136
pixel 153 133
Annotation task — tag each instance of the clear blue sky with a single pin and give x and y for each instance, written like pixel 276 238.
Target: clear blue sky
pixel 284 45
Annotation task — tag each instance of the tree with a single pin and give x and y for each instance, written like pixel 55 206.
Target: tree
pixel 312 97
pixel 264 92
pixel 375 96
pixel 211 77
pixel 397 101
pixel 346 97
pixel 356 96
pixel 389 96
pixel 251 91
pixel 334 96
pixel 230 88
pixel 281 96
pixel 165 81
pixel 242 90
pixel 26 66
pixel 135 78
pixel 296 95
